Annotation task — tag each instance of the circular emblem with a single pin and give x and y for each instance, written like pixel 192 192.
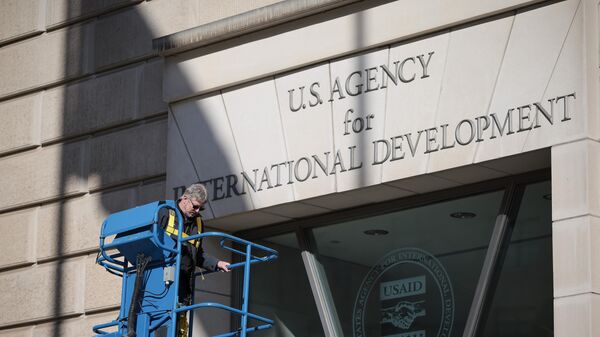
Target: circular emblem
pixel 406 294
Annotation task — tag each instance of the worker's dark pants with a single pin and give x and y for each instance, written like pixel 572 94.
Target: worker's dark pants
pixel 186 287
pixel 186 291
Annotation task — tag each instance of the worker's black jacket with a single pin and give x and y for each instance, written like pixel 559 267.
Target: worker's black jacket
pixel 190 255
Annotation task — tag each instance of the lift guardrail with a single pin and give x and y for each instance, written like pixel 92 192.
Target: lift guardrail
pixel 136 231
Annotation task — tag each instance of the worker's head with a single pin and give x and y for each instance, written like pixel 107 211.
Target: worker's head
pixel 193 199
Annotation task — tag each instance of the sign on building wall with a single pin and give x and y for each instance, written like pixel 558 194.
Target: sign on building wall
pixel 464 96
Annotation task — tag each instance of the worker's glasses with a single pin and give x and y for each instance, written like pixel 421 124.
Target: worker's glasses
pixel 196 206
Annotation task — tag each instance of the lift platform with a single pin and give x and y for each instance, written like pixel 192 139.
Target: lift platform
pixel 135 248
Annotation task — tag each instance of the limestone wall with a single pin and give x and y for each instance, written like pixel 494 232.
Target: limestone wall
pixel 82 134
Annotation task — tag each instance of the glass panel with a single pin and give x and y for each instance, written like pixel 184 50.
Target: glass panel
pixel 410 273
pixel 280 291
pixel 522 303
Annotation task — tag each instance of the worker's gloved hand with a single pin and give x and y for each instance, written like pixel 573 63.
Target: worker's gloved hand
pixel 223 266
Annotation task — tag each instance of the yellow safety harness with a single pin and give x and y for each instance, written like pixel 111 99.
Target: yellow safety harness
pixel 171 229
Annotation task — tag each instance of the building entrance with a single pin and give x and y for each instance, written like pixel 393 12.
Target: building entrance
pixel 469 265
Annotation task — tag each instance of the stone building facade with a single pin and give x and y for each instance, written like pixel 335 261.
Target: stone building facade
pixel 83 134
pixel 317 126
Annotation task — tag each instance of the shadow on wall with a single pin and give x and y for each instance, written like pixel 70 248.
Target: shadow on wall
pixel 363 106
pixel 115 124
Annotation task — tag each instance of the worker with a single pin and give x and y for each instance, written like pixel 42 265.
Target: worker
pixel 190 204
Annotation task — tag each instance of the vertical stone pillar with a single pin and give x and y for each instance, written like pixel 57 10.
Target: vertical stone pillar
pixel 576 204
pixel 576 238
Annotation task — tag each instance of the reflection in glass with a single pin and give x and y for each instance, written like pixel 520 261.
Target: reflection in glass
pixel 416 280
pixel 280 291
pixel 413 273
pixel 522 303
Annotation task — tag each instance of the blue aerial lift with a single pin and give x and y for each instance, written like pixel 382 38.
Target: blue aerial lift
pixel 133 247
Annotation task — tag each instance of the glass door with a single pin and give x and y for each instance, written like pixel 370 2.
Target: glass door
pixel 477 265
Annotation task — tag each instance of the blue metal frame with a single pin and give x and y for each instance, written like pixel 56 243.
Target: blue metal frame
pixel 111 263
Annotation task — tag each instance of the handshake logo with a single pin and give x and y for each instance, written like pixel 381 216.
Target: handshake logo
pixel 403 314
pixel 405 307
